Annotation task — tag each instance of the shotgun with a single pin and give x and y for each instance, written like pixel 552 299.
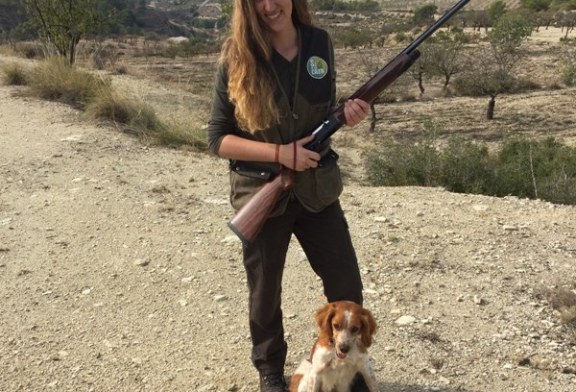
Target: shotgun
pixel 248 222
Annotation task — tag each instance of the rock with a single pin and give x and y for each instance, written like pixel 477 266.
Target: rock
pixel 405 320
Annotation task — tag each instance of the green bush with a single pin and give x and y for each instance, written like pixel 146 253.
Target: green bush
pixel 569 76
pixel 339 5
pixel 543 169
pixel 404 164
pixel 465 166
pixel 353 38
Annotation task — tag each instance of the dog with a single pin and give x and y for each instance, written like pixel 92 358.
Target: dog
pixel 340 352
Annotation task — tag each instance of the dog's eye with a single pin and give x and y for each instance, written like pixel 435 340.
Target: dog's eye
pixel 337 327
pixel 354 329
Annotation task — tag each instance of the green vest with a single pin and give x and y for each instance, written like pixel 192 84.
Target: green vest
pixel 314 97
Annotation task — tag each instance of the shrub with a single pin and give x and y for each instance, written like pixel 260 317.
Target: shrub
pixel 56 80
pixel 402 165
pixel 353 38
pixel 465 167
pixel 133 116
pixel 525 168
pixel 563 301
pixel 545 169
pixel 31 50
pixel 568 64
pixel 14 75
pixel 177 135
pixel 136 117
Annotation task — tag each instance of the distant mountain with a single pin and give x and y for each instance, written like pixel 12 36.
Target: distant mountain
pixel 179 17
pixel 198 17
pixel 11 15
pixel 162 17
pixel 385 4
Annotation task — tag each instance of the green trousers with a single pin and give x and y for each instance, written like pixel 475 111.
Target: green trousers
pixel 326 241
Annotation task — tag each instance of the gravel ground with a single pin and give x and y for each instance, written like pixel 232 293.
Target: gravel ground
pixel 118 273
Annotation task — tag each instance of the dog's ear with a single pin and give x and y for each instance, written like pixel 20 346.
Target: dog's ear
pixel 324 317
pixel 368 327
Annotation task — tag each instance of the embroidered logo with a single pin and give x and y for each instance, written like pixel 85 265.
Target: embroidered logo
pixel 317 67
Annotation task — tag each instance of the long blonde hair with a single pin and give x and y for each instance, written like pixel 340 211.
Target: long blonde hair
pixel 246 53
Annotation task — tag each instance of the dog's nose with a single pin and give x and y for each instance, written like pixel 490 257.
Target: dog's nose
pixel 344 348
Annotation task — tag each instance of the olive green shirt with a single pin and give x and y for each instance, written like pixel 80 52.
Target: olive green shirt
pixel 305 94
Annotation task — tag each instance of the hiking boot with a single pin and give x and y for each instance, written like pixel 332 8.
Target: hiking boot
pixel 273 382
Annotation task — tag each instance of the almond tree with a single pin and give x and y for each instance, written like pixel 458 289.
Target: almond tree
pixel 62 23
pixel 445 54
pixel 492 69
pixel 371 64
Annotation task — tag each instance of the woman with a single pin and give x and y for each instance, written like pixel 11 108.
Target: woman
pixel 275 84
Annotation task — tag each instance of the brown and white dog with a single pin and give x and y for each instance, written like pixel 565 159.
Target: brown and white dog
pixel 340 352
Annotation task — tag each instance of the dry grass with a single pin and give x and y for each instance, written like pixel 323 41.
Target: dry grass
pixel 135 117
pixel 14 74
pixel 105 98
pixel 563 301
pixel 179 91
pixel 55 80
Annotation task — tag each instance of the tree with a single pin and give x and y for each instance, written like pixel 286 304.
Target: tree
pixel 445 54
pixel 564 4
pixel 492 68
pixel 509 33
pixel 566 20
pixel 62 23
pixel 536 5
pixel 371 64
pixel 421 68
pixel 425 14
pixel 11 15
pixel 568 63
pixel 496 10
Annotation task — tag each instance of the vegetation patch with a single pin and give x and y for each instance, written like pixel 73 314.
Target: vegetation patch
pixel 14 74
pixel 544 169
pixel 563 301
pixel 56 80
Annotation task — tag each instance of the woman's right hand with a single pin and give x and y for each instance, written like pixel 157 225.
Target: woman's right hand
pixel 296 157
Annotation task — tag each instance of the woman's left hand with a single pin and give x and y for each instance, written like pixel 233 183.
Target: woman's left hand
pixel 355 110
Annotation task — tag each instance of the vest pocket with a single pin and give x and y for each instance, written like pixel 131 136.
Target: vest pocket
pixel 318 188
pixel 242 188
pixel 328 182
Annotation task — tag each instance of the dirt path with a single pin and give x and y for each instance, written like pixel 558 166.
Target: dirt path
pixel 118 273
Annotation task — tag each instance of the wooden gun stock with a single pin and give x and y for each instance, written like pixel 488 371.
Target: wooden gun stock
pixel 248 222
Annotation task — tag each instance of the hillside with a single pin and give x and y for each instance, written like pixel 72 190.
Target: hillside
pixel 118 273
pixel 443 4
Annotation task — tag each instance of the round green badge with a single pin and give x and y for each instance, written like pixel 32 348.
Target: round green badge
pixel 317 67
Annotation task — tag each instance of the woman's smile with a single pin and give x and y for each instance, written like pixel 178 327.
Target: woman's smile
pixel 277 14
